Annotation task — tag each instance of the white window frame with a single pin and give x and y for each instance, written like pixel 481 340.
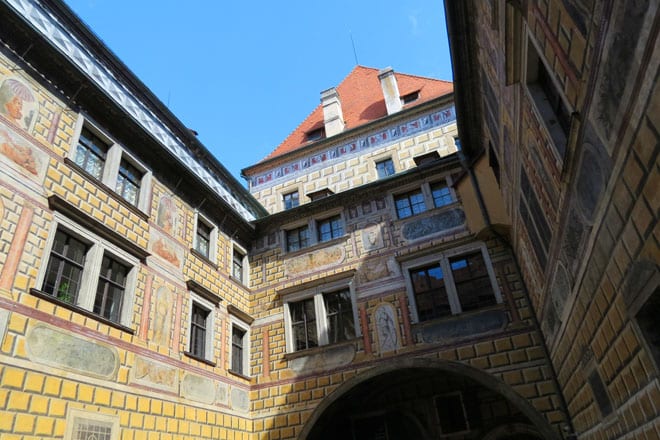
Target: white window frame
pixel 92 267
pixel 209 346
pixel 319 310
pixel 114 155
pixel 312 228
pixel 242 325
pixel 213 237
pixel 245 278
pixel 443 260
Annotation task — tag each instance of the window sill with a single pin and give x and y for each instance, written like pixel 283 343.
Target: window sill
pixel 200 359
pixel 204 258
pixel 321 349
pixel 237 374
pixel 50 298
pixel 137 211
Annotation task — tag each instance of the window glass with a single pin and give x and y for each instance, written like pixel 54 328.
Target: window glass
pixel 385 168
pixel 110 290
pixel 472 281
pixel 203 242
pixel 430 294
pixel 128 182
pixel 330 228
pixel 237 337
pixel 451 413
pixel 65 267
pixel 90 153
pixel 441 195
pixel 237 265
pixel 198 330
pixel 410 204
pixel 303 324
pixel 291 200
pixel 339 314
pixel 297 238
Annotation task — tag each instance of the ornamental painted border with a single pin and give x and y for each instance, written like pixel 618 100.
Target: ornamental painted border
pixel 45 23
pixel 372 140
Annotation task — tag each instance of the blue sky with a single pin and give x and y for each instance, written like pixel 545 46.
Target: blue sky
pixel 245 74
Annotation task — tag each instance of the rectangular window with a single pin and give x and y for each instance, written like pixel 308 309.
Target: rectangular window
pixel 330 228
pixel 297 238
pixel 237 265
pixel 385 168
pixel 303 324
pixel 325 315
pixel 430 294
pixel 291 200
pixel 90 153
pixel 128 182
pixel 65 267
pixel 198 330
pixel 441 194
pixel 452 283
pixel 237 349
pixel 203 238
pixel 548 100
pixel 110 291
pixel 410 203
pixel 89 272
pixel 112 165
pixel 339 316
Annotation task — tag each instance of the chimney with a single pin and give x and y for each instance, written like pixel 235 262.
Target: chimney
pixel 390 90
pixel 332 115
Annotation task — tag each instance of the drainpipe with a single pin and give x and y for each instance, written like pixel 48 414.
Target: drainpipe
pixel 571 435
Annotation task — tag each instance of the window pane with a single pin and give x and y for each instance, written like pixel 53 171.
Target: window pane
pixel 441 195
pixel 291 200
pixel 237 349
pixel 65 265
pixel 303 323
pixel 430 295
pixel 110 290
pixel 198 330
pixel 385 168
pixel 409 204
pixel 339 311
pixel 472 281
pixel 330 228
pixel 90 153
pixel 237 265
pixel 297 238
pixel 451 413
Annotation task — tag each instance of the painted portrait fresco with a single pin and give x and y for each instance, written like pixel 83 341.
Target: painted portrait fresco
pixel 18 103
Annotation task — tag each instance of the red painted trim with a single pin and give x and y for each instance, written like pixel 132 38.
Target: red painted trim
pixel 405 314
pixel 365 329
pixel 556 47
pixel 8 274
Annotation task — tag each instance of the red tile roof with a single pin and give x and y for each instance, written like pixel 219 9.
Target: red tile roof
pixel 362 101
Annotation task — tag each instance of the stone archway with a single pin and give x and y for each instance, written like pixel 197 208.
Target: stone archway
pixel 427 397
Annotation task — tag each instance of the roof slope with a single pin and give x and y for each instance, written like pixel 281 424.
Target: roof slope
pixel 362 101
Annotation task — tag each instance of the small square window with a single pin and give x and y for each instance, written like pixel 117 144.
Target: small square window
pixel 385 168
pixel 128 182
pixel 410 97
pixel 410 203
pixel 441 195
pixel 315 135
pixel 330 228
pixel 91 153
pixel 297 238
pixel 291 200
pixel 199 330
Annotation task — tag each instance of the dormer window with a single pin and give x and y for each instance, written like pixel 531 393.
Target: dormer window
pixel 315 135
pixel 410 97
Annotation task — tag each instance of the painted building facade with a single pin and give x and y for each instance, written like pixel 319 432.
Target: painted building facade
pixel 379 279
pixel 561 98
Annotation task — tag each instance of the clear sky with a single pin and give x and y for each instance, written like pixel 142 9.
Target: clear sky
pixel 244 74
